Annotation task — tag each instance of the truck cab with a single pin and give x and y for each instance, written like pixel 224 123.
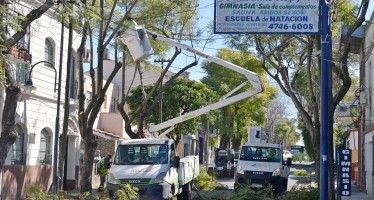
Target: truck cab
pixel 153 167
pixel 261 164
pixel 221 162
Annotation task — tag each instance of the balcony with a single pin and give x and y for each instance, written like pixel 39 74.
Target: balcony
pixel 46 159
pixel 20 53
pixel 357 37
pixel 18 159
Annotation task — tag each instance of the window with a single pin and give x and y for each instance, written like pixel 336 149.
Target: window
pixel 49 52
pixel 22 73
pixel 260 154
pixel 112 105
pixel 142 154
pixel 18 154
pixel 73 82
pixel 45 156
pixel 343 108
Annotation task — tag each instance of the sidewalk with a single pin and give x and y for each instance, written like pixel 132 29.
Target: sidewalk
pixel 357 194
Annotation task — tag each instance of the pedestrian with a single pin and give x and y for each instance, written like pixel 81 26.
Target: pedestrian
pixel 103 169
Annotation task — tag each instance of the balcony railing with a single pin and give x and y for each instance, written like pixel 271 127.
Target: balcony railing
pixel 18 159
pixel 46 160
pixel 20 53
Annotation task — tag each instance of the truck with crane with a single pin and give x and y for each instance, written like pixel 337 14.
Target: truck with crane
pixel 152 164
pixel 261 163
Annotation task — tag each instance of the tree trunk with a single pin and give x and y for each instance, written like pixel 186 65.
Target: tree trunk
pixel 89 145
pixel 8 136
pixel 236 142
pixel 317 150
pixel 224 143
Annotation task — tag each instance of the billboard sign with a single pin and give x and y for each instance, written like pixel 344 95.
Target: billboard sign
pixel 266 16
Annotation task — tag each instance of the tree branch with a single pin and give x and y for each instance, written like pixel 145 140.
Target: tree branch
pixel 33 15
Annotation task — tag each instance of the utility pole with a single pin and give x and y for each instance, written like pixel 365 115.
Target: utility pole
pixel 325 98
pixel 162 95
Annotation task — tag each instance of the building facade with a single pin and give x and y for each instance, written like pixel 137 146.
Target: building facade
pixel 36 57
pixel 366 128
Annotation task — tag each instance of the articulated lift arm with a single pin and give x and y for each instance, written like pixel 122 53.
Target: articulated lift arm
pixel 252 78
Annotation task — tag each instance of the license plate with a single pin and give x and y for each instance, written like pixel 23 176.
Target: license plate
pixel 220 168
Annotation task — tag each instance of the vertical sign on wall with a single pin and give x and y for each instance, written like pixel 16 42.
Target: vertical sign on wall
pixel 345 171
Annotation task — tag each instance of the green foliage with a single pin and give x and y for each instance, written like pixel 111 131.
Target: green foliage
pixel 9 21
pixel 36 192
pixel 339 137
pixel 2 70
pixel 354 117
pixel 302 172
pixel 233 119
pixel 128 192
pixel 303 193
pixel 205 182
pixel 212 142
pixel 84 195
pixel 308 143
pixel 285 132
pixel 61 195
pixel 246 192
pixel 180 97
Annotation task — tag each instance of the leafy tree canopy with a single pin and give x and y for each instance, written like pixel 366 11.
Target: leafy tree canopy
pixel 235 119
pixel 285 132
pixel 182 96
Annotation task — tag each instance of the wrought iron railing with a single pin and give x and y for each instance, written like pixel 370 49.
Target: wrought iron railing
pixel 18 159
pixel 46 160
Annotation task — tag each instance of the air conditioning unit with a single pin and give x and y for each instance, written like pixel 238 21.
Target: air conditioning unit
pixel 87 55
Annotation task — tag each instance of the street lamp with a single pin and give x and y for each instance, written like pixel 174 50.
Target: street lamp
pixel 29 82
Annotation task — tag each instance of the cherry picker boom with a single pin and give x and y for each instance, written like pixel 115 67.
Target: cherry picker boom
pixel 137 40
pixel 152 164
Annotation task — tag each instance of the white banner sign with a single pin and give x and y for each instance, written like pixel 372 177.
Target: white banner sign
pixel 266 16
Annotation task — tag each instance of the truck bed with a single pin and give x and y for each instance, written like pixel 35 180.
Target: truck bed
pixel 188 169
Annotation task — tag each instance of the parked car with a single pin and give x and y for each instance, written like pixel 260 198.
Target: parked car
pixel 286 154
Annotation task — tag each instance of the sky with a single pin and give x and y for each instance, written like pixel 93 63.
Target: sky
pixel 206 16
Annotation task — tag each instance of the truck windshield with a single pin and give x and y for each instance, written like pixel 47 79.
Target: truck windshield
pixel 141 154
pixel 262 154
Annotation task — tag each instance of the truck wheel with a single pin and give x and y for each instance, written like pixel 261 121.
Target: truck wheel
pixel 285 184
pixel 278 188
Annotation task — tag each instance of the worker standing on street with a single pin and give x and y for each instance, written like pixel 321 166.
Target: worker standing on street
pixel 103 169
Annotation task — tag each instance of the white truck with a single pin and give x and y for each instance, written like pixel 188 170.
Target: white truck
pixel 221 163
pixel 261 163
pixel 173 176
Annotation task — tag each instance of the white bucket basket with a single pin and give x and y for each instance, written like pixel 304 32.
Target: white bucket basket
pixel 138 42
